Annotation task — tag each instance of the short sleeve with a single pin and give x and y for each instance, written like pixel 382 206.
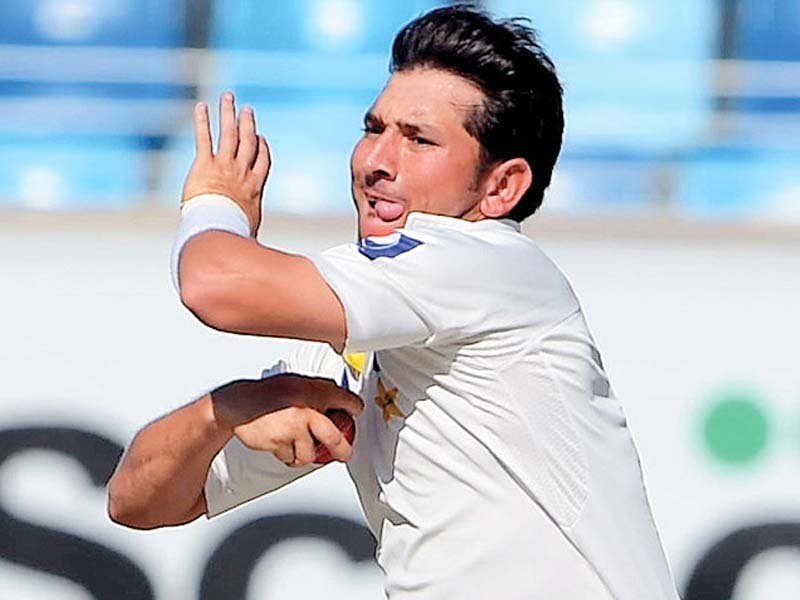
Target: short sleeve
pixel 379 296
pixel 239 474
pixel 441 281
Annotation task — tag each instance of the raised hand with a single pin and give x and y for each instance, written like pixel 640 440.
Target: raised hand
pixel 240 167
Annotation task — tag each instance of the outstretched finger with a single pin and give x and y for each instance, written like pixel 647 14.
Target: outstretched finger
pixel 263 159
pixel 228 131
pixel 248 142
pixel 329 435
pixel 202 130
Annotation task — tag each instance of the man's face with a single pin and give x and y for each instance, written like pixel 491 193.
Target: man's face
pixel 415 155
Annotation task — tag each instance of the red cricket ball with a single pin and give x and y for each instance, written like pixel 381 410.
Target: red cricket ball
pixel 346 425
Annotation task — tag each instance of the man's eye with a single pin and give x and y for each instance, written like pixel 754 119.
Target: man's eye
pixel 367 129
pixel 421 141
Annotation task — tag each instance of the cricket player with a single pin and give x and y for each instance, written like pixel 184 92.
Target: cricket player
pixel 491 457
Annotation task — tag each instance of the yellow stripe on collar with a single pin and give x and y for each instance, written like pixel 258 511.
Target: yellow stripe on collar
pixel 356 361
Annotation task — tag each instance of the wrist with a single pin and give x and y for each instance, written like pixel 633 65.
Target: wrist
pixel 214 421
pixel 225 406
pixel 221 200
pixel 239 402
pixel 206 212
pixel 214 199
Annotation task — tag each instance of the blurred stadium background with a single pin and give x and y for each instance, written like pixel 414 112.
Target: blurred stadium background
pixel 675 210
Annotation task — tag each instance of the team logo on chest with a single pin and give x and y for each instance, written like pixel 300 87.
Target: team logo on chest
pixel 386 401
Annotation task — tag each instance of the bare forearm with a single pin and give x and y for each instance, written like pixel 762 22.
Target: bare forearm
pixel 161 477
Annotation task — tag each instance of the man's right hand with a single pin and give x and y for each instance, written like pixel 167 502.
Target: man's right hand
pixel 284 414
pixel 240 167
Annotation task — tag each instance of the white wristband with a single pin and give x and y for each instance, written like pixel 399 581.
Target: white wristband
pixel 206 212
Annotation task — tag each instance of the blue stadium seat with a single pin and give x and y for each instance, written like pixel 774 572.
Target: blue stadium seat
pixel 312 25
pixel 71 25
pixel 58 174
pixel 609 186
pixel 118 24
pixel 324 47
pixel 634 70
pixel 742 180
pixel 130 23
pixel 88 88
pixel 765 30
pixel 257 25
pixel 740 183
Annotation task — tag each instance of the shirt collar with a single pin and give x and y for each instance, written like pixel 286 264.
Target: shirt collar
pixel 418 220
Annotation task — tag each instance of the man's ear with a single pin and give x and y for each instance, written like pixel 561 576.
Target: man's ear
pixel 504 186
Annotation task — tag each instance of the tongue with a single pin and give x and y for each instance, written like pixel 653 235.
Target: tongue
pixel 388 211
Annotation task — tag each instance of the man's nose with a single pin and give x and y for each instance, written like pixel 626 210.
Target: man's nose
pixel 381 161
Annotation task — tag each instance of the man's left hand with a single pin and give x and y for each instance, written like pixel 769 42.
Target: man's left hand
pixel 241 165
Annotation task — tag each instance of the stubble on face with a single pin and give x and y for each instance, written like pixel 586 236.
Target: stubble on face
pixel 417 151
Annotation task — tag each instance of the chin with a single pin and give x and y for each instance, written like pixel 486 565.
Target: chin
pixel 373 226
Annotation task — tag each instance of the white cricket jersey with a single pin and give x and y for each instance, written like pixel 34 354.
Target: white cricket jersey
pixel 491 459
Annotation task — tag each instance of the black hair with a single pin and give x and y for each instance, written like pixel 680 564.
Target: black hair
pixel 521 115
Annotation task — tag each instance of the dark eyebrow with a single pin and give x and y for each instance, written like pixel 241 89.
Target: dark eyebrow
pixel 407 129
pixel 414 129
pixel 371 119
